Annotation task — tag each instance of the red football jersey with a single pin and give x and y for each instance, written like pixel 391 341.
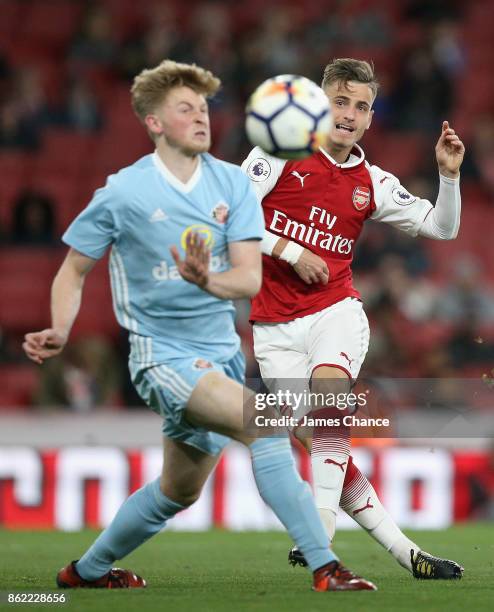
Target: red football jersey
pixel 322 206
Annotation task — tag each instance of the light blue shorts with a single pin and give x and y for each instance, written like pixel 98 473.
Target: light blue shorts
pixel 167 387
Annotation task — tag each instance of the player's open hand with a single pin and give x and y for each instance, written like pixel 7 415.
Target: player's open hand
pixel 42 345
pixel 449 152
pixel 311 268
pixel 195 267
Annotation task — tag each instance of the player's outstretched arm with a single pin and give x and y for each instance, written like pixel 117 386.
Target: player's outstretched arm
pixel 242 280
pixel 66 293
pixel 449 152
pixel 443 222
pixel 310 267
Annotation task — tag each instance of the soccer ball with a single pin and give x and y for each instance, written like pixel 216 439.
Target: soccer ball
pixel 288 116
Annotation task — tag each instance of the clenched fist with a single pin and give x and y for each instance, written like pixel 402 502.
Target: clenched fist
pixel 42 345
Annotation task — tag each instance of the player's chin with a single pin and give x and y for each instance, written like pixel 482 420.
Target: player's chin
pixel 204 148
pixel 198 146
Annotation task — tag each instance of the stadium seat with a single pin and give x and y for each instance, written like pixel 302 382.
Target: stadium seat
pixel 50 24
pixel 96 313
pixel 23 304
pixel 476 91
pixel 126 17
pixel 478 23
pixel 470 243
pixel 65 151
pixel 92 180
pixel 25 279
pixel 18 261
pixel 122 147
pixel 11 17
pixel 62 190
pixel 15 169
pixel 400 153
pixel 18 383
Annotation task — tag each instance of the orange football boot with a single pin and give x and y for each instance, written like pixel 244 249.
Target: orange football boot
pixel 335 577
pixel 116 578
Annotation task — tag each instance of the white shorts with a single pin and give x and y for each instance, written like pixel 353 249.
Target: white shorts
pixel 337 336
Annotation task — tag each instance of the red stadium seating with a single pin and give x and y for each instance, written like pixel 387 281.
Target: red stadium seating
pixel 399 153
pixel 96 313
pixel 65 151
pixel 25 280
pixel 470 242
pixel 18 384
pixel 70 166
pixel 51 24
pixel 62 190
pixel 126 17
pixel 26 275
pixel 15 170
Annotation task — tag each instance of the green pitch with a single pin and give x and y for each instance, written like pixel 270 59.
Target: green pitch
pixel 219 571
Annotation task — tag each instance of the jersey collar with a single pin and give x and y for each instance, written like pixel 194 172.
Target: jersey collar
pixel 355 158
pixel 173 180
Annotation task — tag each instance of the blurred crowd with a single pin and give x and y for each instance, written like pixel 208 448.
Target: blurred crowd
pixel 431 311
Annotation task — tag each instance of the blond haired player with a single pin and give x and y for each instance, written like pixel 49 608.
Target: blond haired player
pixel 184 231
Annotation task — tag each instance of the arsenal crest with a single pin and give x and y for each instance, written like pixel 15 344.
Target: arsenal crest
pixel 361 197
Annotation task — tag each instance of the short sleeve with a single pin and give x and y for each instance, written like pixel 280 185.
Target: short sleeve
pixel 246 220
pixel 395 205
pixel 263 171
pixel 95 228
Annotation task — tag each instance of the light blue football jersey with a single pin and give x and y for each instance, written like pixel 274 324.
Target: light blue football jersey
pixel 140 213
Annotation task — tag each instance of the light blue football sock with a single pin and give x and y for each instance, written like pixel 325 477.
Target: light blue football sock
pixel 290 498
pixel 142 515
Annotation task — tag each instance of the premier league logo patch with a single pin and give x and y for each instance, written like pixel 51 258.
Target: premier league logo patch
pixel 402 197
pixel 361 197
pixel 259 170
pixel 220 212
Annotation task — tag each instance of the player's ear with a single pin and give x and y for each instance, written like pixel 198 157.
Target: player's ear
pixel 153 124
pixel 371 114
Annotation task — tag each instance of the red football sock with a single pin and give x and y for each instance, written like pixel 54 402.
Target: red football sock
pixel 360 501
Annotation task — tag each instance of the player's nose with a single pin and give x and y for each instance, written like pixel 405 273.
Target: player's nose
pixel 350 113
pixel 201 116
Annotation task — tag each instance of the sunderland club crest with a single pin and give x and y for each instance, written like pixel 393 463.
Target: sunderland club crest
pixel 361 197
